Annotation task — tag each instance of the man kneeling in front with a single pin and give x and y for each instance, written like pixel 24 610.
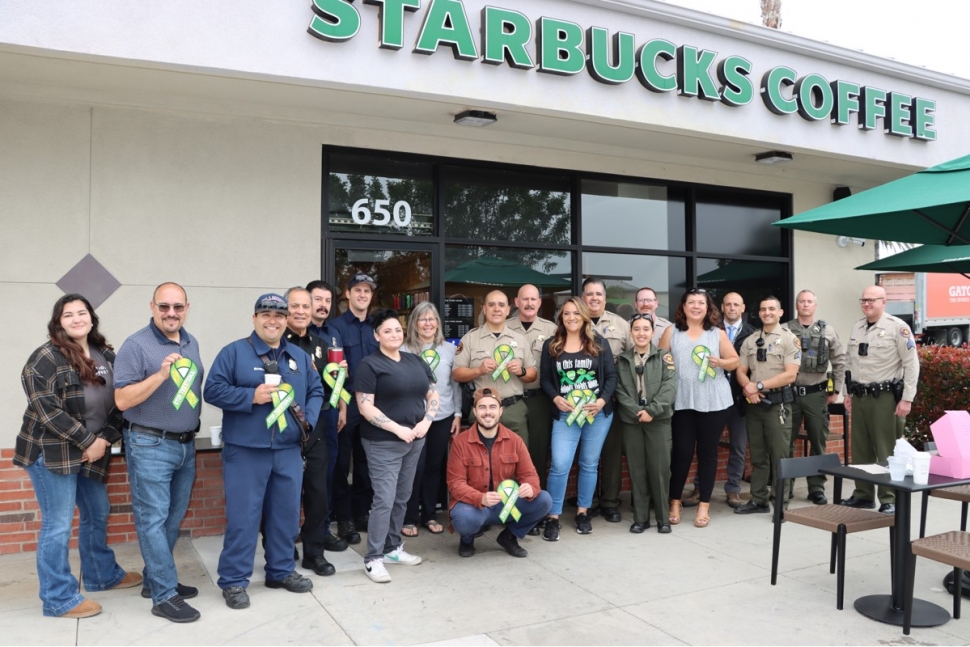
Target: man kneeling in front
pixel 492 480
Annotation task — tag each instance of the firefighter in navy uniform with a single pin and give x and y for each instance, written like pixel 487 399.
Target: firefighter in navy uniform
pixel 820 346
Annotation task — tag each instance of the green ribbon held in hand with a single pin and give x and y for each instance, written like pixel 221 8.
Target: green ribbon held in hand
pixel 702 357
pixel 509 491
pixel 579 399
pixel 183 372
pixel 433 359
pixel 336 384
pixel 503 355
pixel 280 405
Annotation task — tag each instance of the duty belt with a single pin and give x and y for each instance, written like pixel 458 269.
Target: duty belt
pixel 802 391
pixel 872 388
pixel 509 401
pixel 528 393
pixel 183 437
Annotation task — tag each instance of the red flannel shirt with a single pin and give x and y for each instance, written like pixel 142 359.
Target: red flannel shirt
pixel 469 468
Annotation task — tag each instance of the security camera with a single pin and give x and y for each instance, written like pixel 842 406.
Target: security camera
pixel 843 241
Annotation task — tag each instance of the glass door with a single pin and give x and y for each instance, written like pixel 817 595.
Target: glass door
pixel 403 272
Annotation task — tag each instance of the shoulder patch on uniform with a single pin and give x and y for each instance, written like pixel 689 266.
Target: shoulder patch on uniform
pixel 798 343
pixel 668 358
pixel 460 346
pixel 904 332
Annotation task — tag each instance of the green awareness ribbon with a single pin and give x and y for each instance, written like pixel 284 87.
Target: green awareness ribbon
pixel 336 384
pixel 433 359
pixel 503 355
pixel 579 398
pixel 183 372
pixel 280 405
pixel 702 357
pixel 577 376
pixel 509 491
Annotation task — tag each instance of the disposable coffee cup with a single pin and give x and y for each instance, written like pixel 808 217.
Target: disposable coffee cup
pixel 921 468
pixel 897 468
pixel 215 433
pixel 272 378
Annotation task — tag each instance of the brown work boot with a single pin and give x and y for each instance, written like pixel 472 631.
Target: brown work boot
pixel 734 500
pixel 128 581
pixel 86 609
pixel 692 498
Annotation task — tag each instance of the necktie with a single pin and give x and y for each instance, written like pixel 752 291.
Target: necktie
pixel 731 332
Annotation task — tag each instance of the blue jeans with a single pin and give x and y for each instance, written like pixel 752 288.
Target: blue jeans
pixel 467 520
pixel 161 473
pixel 57 496
pixel 565 438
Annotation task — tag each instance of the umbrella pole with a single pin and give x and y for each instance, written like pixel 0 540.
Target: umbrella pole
pixel 953 234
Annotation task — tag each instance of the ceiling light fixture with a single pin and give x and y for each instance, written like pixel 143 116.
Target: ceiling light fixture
pixel 773 157
pixel 475 118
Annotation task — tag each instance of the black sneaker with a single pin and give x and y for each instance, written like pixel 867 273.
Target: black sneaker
pixel 752 508
pixel 466 550
pixel 334 544
pixel 348 532
pixel 862 504
pixel 294 583
pixel 887 508
pixel 236 597
pixel 507 540
pixel 176 609
pixel 583 526
pixel 183 591
pixel 817 497
pixel 551 531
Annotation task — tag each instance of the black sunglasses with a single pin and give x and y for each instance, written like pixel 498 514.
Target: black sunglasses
pixel 640 316
pixel 697 291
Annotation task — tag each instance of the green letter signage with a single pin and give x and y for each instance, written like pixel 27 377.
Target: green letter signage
pixel 647 71
pixel 807 89
pixel 845 101
pixel 899 122
pixel 736 87
pixel 598 44
pixel 694 73
pixel 505 34
pixel 390 18
pixel 771 90
pixel 446 23
pixel 334 20
pixel 560 47
pixel 873 107
pixel 922 113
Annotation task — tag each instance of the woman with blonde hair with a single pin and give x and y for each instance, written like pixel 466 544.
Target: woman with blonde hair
pixel 579 376
pixel 424 338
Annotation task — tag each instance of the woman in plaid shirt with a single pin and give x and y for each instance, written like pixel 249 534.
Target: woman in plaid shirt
pixel 70 422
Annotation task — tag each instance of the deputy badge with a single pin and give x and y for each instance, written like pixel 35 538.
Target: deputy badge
pixel 292 364
pixel 541 338
pixel 611 328
pixel 882 333
pixel 815 328
pixel 514 344
pixel 319 353
pixel 460 346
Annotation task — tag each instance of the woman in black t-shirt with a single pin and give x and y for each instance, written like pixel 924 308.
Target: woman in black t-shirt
pixel 398 401
pixel 579 376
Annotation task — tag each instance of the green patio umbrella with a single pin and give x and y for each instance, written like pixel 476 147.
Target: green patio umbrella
pixel 489 270
pixel 930 207
pixel 928 258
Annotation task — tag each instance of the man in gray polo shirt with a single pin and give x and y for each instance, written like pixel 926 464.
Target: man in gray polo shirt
pixel 158 385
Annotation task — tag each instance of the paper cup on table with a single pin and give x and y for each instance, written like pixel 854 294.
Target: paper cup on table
pixel 272 378
pixel 897 468
pixel 921 468
pixel 215 434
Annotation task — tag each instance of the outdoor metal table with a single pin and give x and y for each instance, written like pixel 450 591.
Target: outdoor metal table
pixel 889 608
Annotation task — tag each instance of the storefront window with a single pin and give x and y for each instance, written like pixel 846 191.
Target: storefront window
pixel 504 205
pixel 753 280
pixel 738 224
pixel 380 196
pixel 472 272
pixel 623 214
pixel 624 274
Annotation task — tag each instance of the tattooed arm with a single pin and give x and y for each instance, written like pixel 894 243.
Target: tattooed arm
pixel 432 402
pixel 373 415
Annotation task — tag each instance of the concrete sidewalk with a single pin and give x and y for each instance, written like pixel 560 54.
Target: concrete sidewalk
pixel 694 586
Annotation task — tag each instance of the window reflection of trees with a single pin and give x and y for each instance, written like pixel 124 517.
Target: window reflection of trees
pixel 348 188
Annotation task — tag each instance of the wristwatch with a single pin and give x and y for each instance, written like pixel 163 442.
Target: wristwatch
pixel 761 386
pixel 524 371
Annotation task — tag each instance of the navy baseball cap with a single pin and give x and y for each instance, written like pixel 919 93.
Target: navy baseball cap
pixel 271 302
pixel 361 278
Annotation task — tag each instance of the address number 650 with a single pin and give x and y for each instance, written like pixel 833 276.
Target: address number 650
pixel 381 217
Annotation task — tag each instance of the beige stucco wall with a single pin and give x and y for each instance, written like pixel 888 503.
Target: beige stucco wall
pixel 230 208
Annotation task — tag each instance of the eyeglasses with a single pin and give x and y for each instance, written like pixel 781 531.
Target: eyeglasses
pixel 427 320
pixel 165 307
pixel 869 302
pixel 646 300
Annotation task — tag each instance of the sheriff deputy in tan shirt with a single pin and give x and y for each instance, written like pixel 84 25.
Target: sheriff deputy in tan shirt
pixel 536 331
pixel 484 349
pixel 881 352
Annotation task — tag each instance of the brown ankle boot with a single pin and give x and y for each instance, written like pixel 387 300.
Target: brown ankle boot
pixel 86 609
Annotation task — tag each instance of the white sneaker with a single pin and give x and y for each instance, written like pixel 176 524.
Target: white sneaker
pixel 401 556
pixel 376 572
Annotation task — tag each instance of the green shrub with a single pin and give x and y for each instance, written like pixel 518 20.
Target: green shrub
pixel 944 385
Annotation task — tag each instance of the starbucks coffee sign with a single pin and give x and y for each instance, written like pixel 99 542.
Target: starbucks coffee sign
pixel 556 46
